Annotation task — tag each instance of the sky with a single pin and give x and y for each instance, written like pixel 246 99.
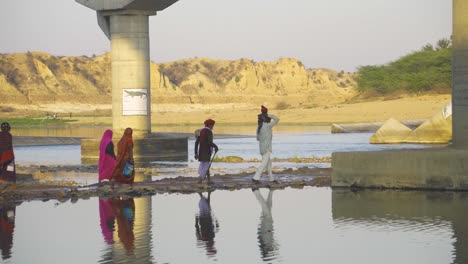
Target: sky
pixel 334 34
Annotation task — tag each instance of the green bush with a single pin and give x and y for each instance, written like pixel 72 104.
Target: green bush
pixel 419 71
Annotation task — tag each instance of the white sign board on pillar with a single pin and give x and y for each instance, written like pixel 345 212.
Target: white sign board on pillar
pixel 134 102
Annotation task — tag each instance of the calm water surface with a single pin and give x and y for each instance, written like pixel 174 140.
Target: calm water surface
pixel 288 142
pixel 310 225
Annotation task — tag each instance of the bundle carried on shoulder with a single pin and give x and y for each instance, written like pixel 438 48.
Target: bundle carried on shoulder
pixel 128 170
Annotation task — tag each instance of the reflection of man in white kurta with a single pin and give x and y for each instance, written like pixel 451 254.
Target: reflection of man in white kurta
pixel 264 137
pixel 266 240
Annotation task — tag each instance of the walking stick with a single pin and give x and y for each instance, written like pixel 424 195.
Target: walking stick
pixel 209 165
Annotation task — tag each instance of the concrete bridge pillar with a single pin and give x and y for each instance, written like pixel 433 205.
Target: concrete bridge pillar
pixel 434 168
pixel 126 24
pixel 460 74
pixel 131 95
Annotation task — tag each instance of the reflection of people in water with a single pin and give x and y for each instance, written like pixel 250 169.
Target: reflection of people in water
pixel 7 226
pixel 206 225
pixel 122 210
pixel 107 217
pixel 266 239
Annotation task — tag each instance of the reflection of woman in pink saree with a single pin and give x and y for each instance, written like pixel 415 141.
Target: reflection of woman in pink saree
pixel 122 210
pixel 107 217
pixel 106 156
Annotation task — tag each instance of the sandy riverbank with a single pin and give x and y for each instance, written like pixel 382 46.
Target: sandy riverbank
pixel 378 110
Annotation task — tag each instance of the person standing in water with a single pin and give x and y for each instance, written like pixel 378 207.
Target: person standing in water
pixel 265 137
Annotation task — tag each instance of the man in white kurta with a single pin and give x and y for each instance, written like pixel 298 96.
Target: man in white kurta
pixel 264 137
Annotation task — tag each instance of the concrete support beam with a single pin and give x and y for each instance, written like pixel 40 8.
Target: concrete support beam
pixel 131 93
pixel 460 74
pixel 149 149
pixel 438 168
pixel 99 5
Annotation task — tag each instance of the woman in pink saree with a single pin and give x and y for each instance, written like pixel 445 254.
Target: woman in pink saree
pixel 106 156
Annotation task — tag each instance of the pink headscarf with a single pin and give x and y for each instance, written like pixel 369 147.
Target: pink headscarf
pixel 106 162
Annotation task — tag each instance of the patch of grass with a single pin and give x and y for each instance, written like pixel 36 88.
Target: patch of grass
pixel 295 159
pixel 228 159
pixel 35 122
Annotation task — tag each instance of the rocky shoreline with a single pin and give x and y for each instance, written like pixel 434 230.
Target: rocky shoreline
pixel 28 189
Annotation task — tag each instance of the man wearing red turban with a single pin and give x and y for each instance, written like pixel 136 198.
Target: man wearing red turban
pixel 204 147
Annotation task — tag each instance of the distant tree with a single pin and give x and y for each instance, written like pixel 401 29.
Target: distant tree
pixel 427 47
pixel 443 43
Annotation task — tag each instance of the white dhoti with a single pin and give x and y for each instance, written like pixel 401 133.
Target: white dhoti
pixel 203 169
pixel 265 164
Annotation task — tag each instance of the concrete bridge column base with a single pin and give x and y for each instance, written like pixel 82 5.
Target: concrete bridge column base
pixel 154 147
pixel 436 168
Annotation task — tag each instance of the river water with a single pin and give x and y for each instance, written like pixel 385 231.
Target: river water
pixel 310 225
pixel 288 142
